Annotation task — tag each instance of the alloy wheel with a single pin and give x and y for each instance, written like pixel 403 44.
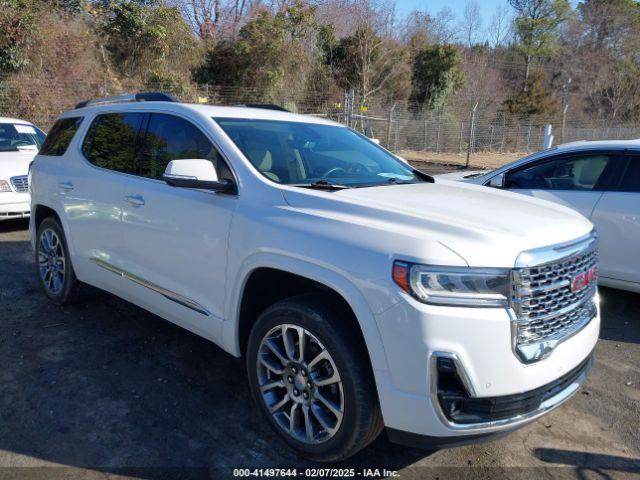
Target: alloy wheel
pixel 51 261
pixel 300 384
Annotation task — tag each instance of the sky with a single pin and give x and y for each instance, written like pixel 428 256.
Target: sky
pixel 487 7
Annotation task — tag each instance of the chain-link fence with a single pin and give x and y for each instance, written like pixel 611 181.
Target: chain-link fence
pixel 452 129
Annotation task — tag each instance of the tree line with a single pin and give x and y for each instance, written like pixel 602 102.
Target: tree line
pixel 538 58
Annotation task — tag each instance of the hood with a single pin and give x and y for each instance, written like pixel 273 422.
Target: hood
pixel 486 227
pixel 13 164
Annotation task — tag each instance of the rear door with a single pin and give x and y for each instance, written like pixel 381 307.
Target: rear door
pixel 617 218
pixel 576 180
pixel 92 192
pixel 176 239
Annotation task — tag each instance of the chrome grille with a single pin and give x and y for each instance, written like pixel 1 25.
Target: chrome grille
pixel 536 331
pixel 20 184
pixel 547 310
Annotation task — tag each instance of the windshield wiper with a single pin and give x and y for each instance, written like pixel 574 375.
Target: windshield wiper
pixel 321 185
pixel 396 181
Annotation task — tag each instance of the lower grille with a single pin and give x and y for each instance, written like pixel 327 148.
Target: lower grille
pixel 553 300
pixel 460 408
pixel 20 184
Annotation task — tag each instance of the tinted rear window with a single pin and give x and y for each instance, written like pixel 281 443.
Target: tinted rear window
pixel 111 141
pixel 60 136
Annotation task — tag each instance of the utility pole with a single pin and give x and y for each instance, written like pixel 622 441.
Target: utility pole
pixel 565 106
pixel 389 123
pixel 471 133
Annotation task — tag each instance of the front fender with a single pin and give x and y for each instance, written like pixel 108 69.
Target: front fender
pixel 318 273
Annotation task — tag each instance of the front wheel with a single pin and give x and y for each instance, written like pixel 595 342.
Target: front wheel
pixel 310 374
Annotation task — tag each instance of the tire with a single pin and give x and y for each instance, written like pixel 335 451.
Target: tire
pixel 53 263
pixel 344 413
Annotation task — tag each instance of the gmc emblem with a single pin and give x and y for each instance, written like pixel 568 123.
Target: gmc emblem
pixel 584 279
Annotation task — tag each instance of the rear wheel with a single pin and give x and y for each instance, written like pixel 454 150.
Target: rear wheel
pixel 53 264
pixel 315 388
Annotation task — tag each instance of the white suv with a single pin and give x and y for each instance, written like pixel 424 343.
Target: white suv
pixel 361 293
pixel 19 143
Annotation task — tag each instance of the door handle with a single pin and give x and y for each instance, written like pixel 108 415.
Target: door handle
pixel 135 200
pixel 65 186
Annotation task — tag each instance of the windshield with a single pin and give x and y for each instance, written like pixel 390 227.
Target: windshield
pixel 20 136
pixel 296 153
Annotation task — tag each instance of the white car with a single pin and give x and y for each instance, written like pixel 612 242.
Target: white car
pixel 19 143
pixel 599 179
pixel 362 294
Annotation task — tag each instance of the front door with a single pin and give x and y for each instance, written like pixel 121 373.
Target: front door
pixel 574 180
pixel 617 219
pixel 176 238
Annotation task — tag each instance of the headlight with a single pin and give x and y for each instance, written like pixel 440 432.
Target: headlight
pixel 456 286
pixel 4 186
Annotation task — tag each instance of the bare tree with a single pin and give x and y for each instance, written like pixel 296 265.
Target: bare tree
pixel 216 18
pixel 483 83
pixel 379 60
pixel 499 28
pixel 444 26
pixel 471 23
pixel 204 16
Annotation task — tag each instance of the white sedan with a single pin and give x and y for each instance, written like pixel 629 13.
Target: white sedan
pixel 19 143
pixel 599 179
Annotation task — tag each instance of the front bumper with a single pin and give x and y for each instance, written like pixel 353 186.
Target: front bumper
pixel 459 409
pixel 524 408
pixel 480 339
pixel 14 205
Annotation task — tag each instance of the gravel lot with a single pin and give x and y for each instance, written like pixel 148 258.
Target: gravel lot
pixel 106 390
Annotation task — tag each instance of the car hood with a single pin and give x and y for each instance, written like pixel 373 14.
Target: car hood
pixel 486 227
pixel 13 164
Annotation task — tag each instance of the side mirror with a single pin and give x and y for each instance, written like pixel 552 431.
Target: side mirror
pixel 196 173
pixel 497 181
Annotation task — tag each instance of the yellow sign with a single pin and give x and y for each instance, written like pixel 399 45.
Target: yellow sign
pixel 203 100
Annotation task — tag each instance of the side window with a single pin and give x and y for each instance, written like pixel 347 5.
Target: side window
pixel 60 136
pixel 171 138
pixel 111 141
pixel 631 179
pixel 576 172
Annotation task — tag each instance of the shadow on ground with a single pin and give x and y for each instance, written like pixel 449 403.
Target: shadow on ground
pixel 14 225
pixel 106 385
pixel 588 464
pixel 620 315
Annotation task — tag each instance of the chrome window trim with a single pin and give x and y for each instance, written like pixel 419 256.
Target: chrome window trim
pixel 168 294
pixel 506 423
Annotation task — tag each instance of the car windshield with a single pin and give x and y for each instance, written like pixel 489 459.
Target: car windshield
pixel 307 154
pixel 20 136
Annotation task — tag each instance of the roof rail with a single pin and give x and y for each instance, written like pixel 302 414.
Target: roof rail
pixel 132 97
pixel 266 106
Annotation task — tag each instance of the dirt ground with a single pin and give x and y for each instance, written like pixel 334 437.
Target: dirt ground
pixel 477 161
pixel 106 390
